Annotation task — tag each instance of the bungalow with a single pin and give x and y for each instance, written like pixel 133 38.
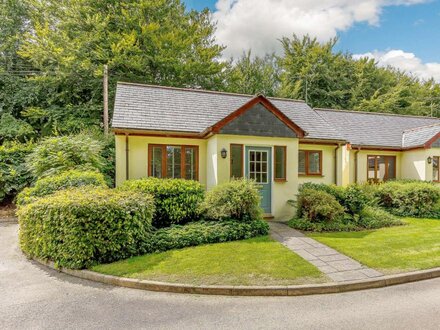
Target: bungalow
pixel 281 143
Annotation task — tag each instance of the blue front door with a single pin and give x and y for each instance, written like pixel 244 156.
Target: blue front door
pixel 258 166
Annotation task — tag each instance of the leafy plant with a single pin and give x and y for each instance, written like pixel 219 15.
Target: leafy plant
pixel 52 184
pixel 58 154
pixel 205 232
pixel 237 199
pixel 318 206
pixel 77 228
pixel 12 129
pixel 14 175
pixel 177 201
pixel 373 217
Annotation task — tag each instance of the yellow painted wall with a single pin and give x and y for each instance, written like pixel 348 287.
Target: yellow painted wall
pixel 414 165
pixel 138 155
pixel 328 164
pixel 362 163
pixel 281 191
pixel 430 153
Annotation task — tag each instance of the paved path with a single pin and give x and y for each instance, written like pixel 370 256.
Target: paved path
pixel 336 265
pixel 33 297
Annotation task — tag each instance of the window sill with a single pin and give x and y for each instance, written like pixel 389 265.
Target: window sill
pixel 311 175
pixel 280 180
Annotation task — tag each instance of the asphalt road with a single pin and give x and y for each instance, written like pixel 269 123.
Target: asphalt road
pixel 33 297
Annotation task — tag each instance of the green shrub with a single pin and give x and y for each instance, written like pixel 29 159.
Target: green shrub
pixel 177 201
pixel 416 199
pixel 373 217
pixel 68 179
pixel 336 191
pixel 58 154
pixel 318 206
pixel 13 129
pixel 355 197
pixel 205 232
pixel 307 225
pixel 14 175
pixel 77 228
pixel 237 199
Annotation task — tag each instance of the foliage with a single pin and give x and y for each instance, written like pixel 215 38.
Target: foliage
pixel 237 199
pixel 258 75
pixel 80 227
pixel 58 154
pixel 205 232
pixel 356 198
pixel 14 175
pixel 313 226
pixel 418 199
pixel 374 217
pixel 318 206
pixel 65 180
pixel 177 201
pixel 14 129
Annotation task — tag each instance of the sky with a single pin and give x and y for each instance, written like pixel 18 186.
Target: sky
pixel 401 33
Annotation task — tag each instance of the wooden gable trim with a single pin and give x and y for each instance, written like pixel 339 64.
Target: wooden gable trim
pixel 431 141
pixel 268 105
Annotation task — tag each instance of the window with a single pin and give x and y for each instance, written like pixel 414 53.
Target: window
pixel 280 163
pixel 236 162
pixel 173 161
pixel 259 166
pixel 310 162
pixel 381 168
pixel 436 169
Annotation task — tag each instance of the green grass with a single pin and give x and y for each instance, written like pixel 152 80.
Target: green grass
pixel 256 261
pixel 391 250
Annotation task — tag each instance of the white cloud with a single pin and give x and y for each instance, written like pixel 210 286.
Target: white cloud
pixel 407 62
pixel 257 24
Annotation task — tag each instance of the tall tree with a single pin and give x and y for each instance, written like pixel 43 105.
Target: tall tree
pixel 253 75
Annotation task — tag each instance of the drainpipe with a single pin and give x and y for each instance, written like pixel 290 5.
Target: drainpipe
pixel 126 158
pixel 356 165
pixel 336 163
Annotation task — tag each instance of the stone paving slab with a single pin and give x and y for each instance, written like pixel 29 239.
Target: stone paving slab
pixel 337 266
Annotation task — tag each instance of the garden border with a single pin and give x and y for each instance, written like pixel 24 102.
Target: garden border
pixel 225 290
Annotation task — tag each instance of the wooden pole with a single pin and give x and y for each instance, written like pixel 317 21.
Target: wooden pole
pixel 105 100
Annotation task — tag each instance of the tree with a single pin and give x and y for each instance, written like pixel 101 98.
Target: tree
pixel 249 75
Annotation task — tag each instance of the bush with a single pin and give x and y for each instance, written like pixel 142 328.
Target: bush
pixel 177 201
pixel 205 232
pixel 68 179
pixel 373 217
pixel 355 197
pixel 417 199
pixel 336 191
pixel 318 206
pixel 12 129
pixel 237 199
pixel 14 175
pixel 307 225
pixel 80 227
pixel 58 154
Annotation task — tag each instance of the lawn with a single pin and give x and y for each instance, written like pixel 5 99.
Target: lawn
pixel 256 261
pixel 391 250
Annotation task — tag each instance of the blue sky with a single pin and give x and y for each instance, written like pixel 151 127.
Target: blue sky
pixel 406 36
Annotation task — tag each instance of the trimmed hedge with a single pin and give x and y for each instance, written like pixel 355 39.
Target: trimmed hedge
pixel 77 228
pixel 237 199
pixel 415 199
pixel 205 232
pixel 68 179
pixel 177 201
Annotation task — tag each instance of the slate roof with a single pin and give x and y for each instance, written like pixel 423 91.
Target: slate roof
pixel 193 111
pixel 419 136
pixel 374 129
pixel 157 108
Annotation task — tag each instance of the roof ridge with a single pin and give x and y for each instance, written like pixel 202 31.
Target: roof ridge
pixel 420 127
pixel 376 113
pixel 205 91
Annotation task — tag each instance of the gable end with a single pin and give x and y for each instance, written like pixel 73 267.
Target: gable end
pixel 258 121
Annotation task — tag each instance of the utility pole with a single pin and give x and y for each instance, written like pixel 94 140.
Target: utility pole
pixel 105 100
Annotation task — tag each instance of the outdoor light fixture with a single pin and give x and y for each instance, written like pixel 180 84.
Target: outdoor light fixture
pixel 429 160
pixel 223 153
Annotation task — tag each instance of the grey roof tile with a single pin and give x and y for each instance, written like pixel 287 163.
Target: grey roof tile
pixel 419 136
pixel 193 111
pixel 374 129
